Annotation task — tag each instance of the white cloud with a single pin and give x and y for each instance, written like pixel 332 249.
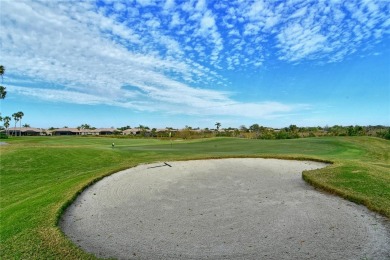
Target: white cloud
pixel 94 70
pixel 298 42
pixel 271 22
pixel 200 5
pixel 251 29
pixel 255 9
pixel 54 95
pixel 175 20
pixel 171 52
pixel 299 13
pixel 145 2
pixel 207 21
pixel 330 31
pixel 169 4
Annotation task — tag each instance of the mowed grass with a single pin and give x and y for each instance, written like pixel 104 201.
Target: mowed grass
pixel 40 176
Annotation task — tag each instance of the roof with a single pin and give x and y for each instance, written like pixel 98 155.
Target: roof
pixel 75 130
pixel 106 130
pixel 26 129
pixel 131 130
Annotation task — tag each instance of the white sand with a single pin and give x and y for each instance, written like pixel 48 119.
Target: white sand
pixel 222 209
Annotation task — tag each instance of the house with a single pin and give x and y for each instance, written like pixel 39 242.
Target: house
pixel 132 131
pixel 83 131
pixel 26 131
pixel 105 131
pixel 66 131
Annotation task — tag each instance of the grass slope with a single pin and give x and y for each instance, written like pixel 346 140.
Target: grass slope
pixel 41 175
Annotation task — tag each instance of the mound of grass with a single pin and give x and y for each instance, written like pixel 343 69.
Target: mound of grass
pixel 40 176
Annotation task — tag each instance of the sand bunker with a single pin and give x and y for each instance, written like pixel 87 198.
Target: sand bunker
pixel 222 209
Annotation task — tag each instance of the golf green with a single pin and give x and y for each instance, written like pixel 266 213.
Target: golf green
pixel 41 176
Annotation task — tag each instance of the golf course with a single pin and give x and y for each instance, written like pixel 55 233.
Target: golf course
pixel 42 176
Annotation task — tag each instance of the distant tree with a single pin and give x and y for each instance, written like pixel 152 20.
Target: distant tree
pixel 351 131
pixel 16 119
pixel 293 128
pixel 254 128
pixel 359 130
pixel 3 93
pixel 218 125
pixel 293 131
pixel 243 128
pixel 336 130
pixel 268 133
pixel 154 132
pixel 143 129
pixel 326 128
pixel 6 121
pixel 384 134
pixel 257 130
pixel 20 115
pixel 2 71
pixel 185 133
pixel 123 128
pixel 26 125
pixel 283 134
pixel 84 126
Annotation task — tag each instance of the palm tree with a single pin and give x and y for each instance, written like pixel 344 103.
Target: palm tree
pixel 3 93
pixel 218 125
pixel 21 114
pixel 2 70
pixel 16 119
pixel 6 120
pixel 26 125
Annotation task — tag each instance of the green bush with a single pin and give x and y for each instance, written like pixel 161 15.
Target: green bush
pixel 384 134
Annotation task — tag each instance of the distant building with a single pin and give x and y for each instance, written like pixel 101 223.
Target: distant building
pixel 105 131
pixel 132 131
pixel 26 131
pixel 65 131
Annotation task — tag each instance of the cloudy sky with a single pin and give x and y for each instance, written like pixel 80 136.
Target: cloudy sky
pixel 196 62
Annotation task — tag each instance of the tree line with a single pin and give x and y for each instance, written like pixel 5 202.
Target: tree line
pixel 260 132
pixel 257 131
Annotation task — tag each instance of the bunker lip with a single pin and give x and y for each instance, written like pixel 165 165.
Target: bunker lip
pixel 242 208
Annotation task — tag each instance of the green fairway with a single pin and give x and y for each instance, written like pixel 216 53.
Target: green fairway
pixel 41 175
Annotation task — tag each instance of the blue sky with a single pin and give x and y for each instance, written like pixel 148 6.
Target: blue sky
pixel 176 63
